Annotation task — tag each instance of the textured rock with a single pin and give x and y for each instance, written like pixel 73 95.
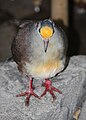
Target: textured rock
pixel 72 82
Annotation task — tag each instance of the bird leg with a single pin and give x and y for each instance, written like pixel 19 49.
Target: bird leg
pixel 28 93
pixel 49 88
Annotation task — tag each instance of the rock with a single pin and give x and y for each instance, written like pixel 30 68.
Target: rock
pixel 72 83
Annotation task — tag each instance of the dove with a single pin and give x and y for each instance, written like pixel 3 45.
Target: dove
pixel 39 50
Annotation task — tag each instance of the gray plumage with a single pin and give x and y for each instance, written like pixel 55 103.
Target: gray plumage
pixel 39 49
pixel 28 49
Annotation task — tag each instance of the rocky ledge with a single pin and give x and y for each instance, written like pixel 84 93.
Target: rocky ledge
pixel 71 105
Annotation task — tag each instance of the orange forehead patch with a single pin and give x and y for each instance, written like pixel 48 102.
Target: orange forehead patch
pixel 46 32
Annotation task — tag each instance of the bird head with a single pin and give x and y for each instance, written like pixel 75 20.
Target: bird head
pixel 46 31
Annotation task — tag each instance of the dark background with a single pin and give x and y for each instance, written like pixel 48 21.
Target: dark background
pixel 24 9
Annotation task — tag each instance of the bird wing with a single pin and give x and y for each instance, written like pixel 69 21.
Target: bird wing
pixel 19 44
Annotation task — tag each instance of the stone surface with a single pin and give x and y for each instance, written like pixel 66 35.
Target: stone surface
pixel 72 83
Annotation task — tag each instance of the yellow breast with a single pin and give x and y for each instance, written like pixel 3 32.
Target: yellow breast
pixel 47 69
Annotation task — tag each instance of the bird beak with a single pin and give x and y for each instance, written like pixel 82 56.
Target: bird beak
pixel 46 45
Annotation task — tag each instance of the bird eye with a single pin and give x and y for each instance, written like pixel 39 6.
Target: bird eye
pixel 39 30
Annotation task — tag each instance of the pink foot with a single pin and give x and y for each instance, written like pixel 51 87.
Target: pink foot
pixel 28 94
pixel 49 88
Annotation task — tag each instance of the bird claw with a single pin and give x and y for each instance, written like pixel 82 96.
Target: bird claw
pixel 49 88
pixel 28 94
